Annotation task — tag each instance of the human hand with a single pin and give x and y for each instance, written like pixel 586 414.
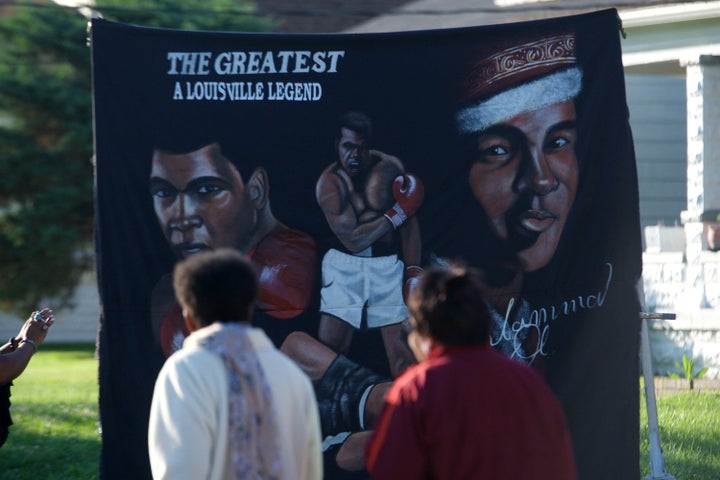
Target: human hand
pixel 36 327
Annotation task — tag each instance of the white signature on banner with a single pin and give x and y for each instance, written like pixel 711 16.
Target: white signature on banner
pixel 515 328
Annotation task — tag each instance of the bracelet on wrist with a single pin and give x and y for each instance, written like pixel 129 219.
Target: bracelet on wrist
pixel 31 342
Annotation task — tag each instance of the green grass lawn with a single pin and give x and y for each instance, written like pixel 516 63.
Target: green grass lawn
pixel 55 410
pixel 689 434
pixel 55 436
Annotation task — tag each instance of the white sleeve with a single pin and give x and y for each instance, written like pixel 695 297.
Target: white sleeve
pixel 315 461
pixel 185 417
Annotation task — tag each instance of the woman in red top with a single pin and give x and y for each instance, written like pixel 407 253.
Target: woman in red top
pixel 466 411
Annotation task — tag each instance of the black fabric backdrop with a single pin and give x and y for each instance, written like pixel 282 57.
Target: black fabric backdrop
pixel 404 82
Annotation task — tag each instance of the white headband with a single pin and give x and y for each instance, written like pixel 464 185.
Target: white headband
pixel 548 90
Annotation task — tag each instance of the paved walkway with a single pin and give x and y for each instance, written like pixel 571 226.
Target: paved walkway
pixel 667 386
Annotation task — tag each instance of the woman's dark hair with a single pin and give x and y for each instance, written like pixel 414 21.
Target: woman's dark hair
pixel 448 305
pixel 217 286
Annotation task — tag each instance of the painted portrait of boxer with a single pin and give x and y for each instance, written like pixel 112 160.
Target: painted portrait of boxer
pixel 517 117
pixel 201 202
pixel 369 201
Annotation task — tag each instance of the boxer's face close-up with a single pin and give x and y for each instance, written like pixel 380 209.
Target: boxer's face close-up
pixel 353 151
pixel 525 177
pixel 200 201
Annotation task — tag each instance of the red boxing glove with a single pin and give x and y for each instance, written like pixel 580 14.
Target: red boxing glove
pixel 173 330
pixel 412 278
pixel 286 263
pixel 408 192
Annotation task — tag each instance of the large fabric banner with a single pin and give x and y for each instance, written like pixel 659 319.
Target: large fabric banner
pixel 343 165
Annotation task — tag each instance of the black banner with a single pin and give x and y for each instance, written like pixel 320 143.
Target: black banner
pixel 345 164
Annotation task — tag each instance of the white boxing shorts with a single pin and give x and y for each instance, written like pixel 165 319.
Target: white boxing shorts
pixel 350 282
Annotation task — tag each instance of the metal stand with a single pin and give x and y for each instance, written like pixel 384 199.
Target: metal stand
pixel 657 461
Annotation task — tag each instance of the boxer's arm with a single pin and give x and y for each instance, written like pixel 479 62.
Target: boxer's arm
pixel 400 357
pixel 399 354
pixel 411 242
pixel 311 356
pixel 334 200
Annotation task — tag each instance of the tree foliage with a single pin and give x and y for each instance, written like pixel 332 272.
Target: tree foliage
pixel 46 171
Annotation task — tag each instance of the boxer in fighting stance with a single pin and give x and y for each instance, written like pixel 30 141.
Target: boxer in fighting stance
pixel 369 202
pixel 202 203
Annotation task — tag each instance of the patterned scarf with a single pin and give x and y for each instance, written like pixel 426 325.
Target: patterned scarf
pixel 252 434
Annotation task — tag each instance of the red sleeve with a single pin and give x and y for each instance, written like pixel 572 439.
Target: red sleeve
pixel 395 449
